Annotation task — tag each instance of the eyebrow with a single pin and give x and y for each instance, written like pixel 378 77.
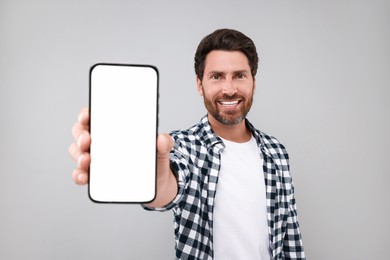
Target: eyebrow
pixel 234 72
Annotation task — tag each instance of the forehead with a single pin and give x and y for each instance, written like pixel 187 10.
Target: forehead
pixel 226 61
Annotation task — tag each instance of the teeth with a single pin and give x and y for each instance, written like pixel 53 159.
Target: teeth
pixel 229 103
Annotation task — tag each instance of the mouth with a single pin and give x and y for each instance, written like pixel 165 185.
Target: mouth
pixel 229 103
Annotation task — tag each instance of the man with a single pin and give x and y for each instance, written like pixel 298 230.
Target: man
pixel 227 183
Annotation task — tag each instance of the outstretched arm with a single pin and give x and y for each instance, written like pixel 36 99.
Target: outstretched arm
pixel 79 151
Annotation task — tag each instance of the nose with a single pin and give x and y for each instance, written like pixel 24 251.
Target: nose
pixel 229 88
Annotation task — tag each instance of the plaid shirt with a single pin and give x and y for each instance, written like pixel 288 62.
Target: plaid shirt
pixel 196 161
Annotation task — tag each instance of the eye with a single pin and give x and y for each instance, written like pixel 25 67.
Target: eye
pixel 216 76
pixel 240 76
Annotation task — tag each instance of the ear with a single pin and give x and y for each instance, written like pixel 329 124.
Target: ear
pixel 254 84
pixel 199 85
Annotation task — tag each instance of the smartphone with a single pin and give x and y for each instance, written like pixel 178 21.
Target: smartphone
pixel 123 107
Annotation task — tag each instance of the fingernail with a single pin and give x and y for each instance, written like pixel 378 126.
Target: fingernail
pixel 80 177
pixel 80 117
pixel 79 160
pixel 79 141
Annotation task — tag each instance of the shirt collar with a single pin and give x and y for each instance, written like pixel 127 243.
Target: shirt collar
pixel 211 139
pixel 208 136
pixel 259 136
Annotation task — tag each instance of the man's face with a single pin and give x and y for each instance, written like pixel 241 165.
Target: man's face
pixel 227 86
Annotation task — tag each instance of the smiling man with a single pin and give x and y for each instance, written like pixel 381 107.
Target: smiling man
pixel 227 87
pixel 227 183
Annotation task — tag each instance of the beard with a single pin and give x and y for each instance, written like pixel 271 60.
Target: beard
pixel 226 116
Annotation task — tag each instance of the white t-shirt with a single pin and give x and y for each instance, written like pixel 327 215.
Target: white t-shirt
pixel 240 229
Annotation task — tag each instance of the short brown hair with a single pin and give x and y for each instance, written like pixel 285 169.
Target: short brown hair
pixel 229 40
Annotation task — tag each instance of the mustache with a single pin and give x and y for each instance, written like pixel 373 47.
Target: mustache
pixel 230 97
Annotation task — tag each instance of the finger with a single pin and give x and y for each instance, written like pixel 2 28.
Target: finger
pixel 80 177
pixel 78 128
pixel 84 161
pixel 83 141
pixel 84 116
pixel 82 123
pixel 74 151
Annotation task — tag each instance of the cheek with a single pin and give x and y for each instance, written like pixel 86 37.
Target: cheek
pixel 209 94
pixel 248 92
pixel 206 92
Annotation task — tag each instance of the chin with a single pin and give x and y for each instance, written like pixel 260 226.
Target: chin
pixel 228 120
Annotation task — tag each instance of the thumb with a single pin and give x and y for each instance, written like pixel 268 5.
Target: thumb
pixel 164 146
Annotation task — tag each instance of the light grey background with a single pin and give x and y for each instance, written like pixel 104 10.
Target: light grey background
pixel 322 89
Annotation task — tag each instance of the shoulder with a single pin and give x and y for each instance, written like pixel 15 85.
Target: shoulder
pixel 271 141
pixel 189 135
pixel 270 144
pixel 274 146
pixel 199 134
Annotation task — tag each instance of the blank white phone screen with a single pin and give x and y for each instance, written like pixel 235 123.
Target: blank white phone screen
pixel 123 126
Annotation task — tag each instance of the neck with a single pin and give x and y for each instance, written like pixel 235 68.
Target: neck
pixel 236 133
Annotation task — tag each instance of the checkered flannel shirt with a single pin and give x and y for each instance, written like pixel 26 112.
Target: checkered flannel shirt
pixel 196 161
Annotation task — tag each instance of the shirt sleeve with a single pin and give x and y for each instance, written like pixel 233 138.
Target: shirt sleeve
pixel 180 167
pixel 287 239
pixel 292 244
